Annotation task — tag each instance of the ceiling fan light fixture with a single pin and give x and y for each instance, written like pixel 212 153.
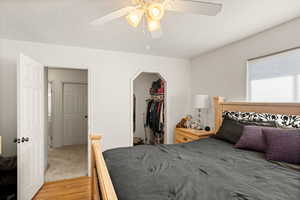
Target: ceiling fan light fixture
pixel 153 25
pixel 156 11
pixel 134 18
pixel 135 2
pixel 152 12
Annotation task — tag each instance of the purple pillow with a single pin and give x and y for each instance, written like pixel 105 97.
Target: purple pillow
pixel 282 145
pixel 252 139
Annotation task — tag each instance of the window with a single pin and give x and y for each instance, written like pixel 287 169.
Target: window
pixel 275 78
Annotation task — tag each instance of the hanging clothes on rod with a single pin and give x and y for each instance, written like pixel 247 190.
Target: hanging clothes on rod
pixel 155 119
pixel 155 113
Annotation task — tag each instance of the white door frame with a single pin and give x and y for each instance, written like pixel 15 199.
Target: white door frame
pixel 162 76
pixel 52 98
pixel 90 105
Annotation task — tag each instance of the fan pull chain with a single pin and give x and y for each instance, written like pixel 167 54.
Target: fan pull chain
pixel 143 26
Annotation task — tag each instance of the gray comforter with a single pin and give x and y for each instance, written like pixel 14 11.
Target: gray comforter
pixel 207 169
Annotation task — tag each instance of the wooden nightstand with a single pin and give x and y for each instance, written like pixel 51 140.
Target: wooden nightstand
pixel 183 135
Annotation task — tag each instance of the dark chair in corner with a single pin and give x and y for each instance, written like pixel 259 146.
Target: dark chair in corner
pixel 8 178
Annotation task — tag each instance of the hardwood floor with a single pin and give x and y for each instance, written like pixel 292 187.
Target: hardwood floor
pixel 71 189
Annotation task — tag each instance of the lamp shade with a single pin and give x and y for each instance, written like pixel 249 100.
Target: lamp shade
pixel 201 101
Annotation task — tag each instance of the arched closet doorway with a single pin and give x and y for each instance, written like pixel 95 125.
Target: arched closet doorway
pixel 149 109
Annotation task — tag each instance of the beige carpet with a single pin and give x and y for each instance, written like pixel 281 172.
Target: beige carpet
pixel 66 162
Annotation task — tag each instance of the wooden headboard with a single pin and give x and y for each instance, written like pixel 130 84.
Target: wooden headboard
pixel 273 108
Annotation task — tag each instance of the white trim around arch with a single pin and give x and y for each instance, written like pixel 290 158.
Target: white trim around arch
pixel 162 76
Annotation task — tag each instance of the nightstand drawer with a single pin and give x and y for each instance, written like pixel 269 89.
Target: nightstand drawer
pixel 188 135
pixel 182 138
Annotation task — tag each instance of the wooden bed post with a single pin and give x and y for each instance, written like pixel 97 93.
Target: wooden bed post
pixel 218 112
pixel 94 182
pixel 101 184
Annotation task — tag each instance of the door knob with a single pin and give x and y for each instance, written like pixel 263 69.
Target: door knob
pixel 25 139
pixel 85 116
pixel 17 140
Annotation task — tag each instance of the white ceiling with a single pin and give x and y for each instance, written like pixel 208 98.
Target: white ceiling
pixel 66 22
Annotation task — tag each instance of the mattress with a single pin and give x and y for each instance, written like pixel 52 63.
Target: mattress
pixel 207 169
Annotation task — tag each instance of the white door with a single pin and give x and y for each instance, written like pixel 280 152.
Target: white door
pixel 75 108
pixel 30 127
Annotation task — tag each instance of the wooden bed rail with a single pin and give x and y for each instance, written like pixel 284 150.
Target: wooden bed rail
pixel 101 184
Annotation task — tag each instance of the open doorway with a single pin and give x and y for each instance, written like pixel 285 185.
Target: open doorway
pixel 67 131
pixel 149 109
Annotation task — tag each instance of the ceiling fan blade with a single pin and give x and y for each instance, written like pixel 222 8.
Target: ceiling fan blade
pixel 157 34
pixel 195 7
pixel 113 15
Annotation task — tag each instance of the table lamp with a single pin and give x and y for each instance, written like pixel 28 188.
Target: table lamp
pixel 201 102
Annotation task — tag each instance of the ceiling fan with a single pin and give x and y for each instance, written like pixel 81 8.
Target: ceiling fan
pixel 153 11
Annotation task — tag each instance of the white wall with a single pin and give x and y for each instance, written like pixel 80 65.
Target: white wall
pixel 58 77
pixel 110 72
pixel 8 104
pixel 141 86
pixel 223 71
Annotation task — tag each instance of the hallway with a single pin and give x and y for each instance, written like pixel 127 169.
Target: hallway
pixel 67 162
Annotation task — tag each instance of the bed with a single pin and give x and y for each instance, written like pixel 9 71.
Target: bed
pixel 206 169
